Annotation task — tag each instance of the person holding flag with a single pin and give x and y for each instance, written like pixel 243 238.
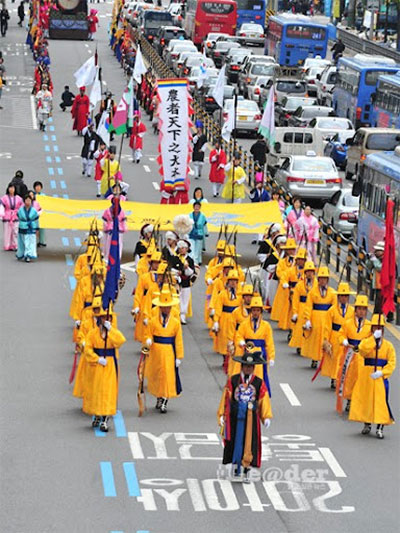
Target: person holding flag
pixel 234 189
pixel 99 155
pixel 109 216
pixel 217 170
pixel 136 139
pixel 111 171
pixel 80 110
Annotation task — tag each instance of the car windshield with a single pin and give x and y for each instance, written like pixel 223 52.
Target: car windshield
pixel 214 36
pixel 293 103
pixel 262 80
pixel 291 86
pixel 351 201
pixel 194 61
pixel 327 124
pixel 183 48
pixel 312 165
pixel 383 141
pixel 311 112
pixel 223 45
pixel 262 69
pixel 247 105
pixel 173 33
pixel 251 27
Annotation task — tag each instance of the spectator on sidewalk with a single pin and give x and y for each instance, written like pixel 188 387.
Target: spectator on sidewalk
pixel 198 233
pixel 67 98
pixel 21 13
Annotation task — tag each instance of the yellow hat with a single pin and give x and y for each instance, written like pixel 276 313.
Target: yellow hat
pixel 378 320
pixel 221 245
pixel 309 265
pixel 230 251
pixel 228 262
pixel 323 272
pixel 95 258
pixel 256 301
pixel 162 267
pixel 361 301
pixel 290 244
pixel 150 250
pixel 247 290
pixel 155 256
pixel 97 301
pixel 301 253
pixel 99 269
pixel 166 298
pixel 233 274
pixel 344 289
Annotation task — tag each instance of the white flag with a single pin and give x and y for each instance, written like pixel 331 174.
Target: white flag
pixel 131 102
pixel 229 124
pixel 267 125
pixel 218 91
pixel 102 129
pixel 139 67
pixel 95 93
pixel 203 71
pixel 86 74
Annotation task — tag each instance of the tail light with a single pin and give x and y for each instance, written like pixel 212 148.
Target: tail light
pixel 292 179
pixel 334 180
pixel 287 115
pixel 257 17
pixel 216 54
pixel 348 216
pixel 248 80
pixel 235 67
pixel 262 36
pixel 358 113
pixel 257 117
pixel 179 65
pixel 362 158
pixel 257 90
pixel 162 41
pixel 311 82
pixel 225 116
pixel 186 71
pixel 324 87
pixel 208 45
pixel 150 37
pixel 209 99
pixel 242 34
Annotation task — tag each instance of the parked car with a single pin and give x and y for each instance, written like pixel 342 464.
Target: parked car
pixel 336 148
pixel 289 86
pixel 251 71
pixel 325 83
pixel 248 115
pixel 342 211
pixel 289 104
pixel 251 33
pixel 210 40
pixel 234 61
pixel 210 105
pixel 309 176
pixel 303 115
pixel 220 51
pixel 329 126
pixel 165 34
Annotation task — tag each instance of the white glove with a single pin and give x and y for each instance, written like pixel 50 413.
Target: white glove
pixel 242 343
pixel 209 281
pixel 145 321
pixel 377 374
pixel 221 166
pixel 102 361
pixel 135 311
pixel 178 363
pixel 149 342
pixel 212 312
pixel 221 420
pixel 215 327
pixel 345 342
pixel 294 318
pixel 267 422
pixel 285 285
pixel 308 325
pixel 378 334
pixel 271 269
pixel 214 158
pixel 107 325
pixel 77 323
pixel 271 363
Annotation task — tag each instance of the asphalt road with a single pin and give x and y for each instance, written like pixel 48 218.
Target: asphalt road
pixel 155 474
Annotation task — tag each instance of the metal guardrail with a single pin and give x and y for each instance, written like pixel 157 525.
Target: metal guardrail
pixel 354 42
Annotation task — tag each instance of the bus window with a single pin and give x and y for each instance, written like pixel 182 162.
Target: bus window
pixel 288 138
pixel 308 138
pixel 383 141
pixel 299 31
pixel 298 138
pixel 371 76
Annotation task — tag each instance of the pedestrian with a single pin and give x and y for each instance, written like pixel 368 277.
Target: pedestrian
pixel 282 271
pixel 377 362
pixel 186 270
pixel 136 139
pixel 110 170
pixel 67 98
pixel 108 222
pixel 291 214
pixel 234 188
pixel 101 351
pixel 169 251
pixel 4 18
pixel 198 196
pixel 44 106
pixel 276 197
pixel 226 302
pixel 80 110
pixel 21 13
pixel 337 48
pixel 244 405
pixel 198 233
pixel 299 300
pixel 374 265
pixel 217 171
pixel 90 143
pixel 259 151
pixel 259 193
pixel 146 234
pixel 98 156
pixel 9 206
pixel 38 190
pixel 93 21
pixel 28 224
pixel 199 147
pixel 306 230
pixel 164 338
pixel 18 181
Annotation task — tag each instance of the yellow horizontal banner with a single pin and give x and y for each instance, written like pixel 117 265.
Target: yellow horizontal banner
pixel 59 213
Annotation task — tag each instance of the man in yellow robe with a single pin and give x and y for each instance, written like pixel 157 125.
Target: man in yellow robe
pixel 234 188
pixel 238 316
pixel 280 305
pixel 110 167
pixel 227 301
pixel 299 299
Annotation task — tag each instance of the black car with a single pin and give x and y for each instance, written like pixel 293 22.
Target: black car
pixel 210 105
pixel 234 61
pixel 165 34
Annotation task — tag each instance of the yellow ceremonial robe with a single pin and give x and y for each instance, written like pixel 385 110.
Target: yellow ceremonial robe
pixel 224 307
pixel 262 337
pixel 334 322
pixel 299 299
pixel 281 300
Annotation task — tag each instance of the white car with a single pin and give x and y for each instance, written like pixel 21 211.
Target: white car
pixel 194 76
pixel 174 53
pixel 310 76
pixel 325 83
pixel 342 211
pixel 315 62
pixel 309 176
pixel 179 61
pixel 248 115
pixel 254 91
pixel 210 40
pixel 195 61
pixel 251 33
pixel 329 126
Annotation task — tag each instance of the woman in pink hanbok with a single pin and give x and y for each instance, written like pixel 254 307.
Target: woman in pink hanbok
pixel 108 219
pixel 306 231
pixel 292 215
pixel 9 205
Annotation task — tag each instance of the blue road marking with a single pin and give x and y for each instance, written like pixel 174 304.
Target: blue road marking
pixel 53 138
pixel 53 184
pixel 69 260
pixel 77 241
pixel 51 128
pixel 60 171
pixel 45 137
pixel 55 195
pixel 55 148
pixel 57 159
pixel 50 119
pixel 51 171
pixel 65 196
pixel 46 148
pixel 65 241
pixel 72 282
pixel 99 433
pixel 63 184
pixel 141 531
pixel 119 424
pixel 131 480
pixel 108 479
pixel 48 159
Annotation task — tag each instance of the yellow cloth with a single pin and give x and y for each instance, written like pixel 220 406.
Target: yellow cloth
pixel 291 276
pixel 81 269
pixel 143 286
pixel 263 331
pixel 239 315
pixel 142 266
pixel 301 290
pixel 281 300
pixel 368 401
pixel 109 170
pixel 329 366
pixel 224 318
pixel 238 189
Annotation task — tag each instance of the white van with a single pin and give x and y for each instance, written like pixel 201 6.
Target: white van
pixel 293 141
pixel 369 141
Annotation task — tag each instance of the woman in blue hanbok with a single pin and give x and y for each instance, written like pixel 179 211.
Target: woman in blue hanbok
pixel 28 219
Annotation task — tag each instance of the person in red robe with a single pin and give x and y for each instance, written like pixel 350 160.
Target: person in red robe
pixel 93 21
pixel 80 110
pixel 136 140
pixel 217 171
pixel 167 193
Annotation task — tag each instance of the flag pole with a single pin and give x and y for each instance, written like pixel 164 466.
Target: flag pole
pixel 234 144
pixel 120 149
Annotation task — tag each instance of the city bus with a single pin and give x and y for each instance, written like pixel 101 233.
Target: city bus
pixel 251 11
pixel 386 113
pixel 380 178
pixel 290 39
pixel 203 17
pixel 357 78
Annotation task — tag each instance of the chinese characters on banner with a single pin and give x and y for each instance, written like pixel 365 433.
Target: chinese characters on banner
pixel 174 126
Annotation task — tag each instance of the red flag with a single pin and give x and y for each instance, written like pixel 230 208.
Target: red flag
pixel 388 272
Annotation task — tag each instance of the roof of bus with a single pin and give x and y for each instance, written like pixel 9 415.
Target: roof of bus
pixel 371 64
pixel 386 162
pixel 291 18
pixel 394 79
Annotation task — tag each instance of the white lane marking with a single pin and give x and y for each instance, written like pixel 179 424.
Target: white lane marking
pixel 290 395
pixel 156 186
pixel 152 158
pixel 147 169
pixel 130 267
pixel 87 46
pixel 33 111
pixel 332 462
pixel 191 172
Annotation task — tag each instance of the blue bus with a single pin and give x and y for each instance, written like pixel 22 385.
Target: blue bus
pixel 386 113
pixel 357 78
pixel 290 39
pixel 380 178
pixel 251 11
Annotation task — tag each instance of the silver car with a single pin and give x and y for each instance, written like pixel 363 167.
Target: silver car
pixel 342 211
pixel 248 115
pixel 177 50
pixel 289 87
pixel 251 33
pixel 254 91
pixel 252 70
pixel 309 176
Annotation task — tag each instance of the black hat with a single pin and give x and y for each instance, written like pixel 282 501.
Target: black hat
pixel 236 155
pixel 113 149
pixel 250 358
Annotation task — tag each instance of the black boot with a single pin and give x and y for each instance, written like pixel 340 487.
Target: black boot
pixel 379 431
pixel 163 408
pixel 333 383
pixel 298 351
pixel 103 424
pixel 314 363
pixel 366 430
pixel 158 403
pixel 347 409
pixel 96 422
